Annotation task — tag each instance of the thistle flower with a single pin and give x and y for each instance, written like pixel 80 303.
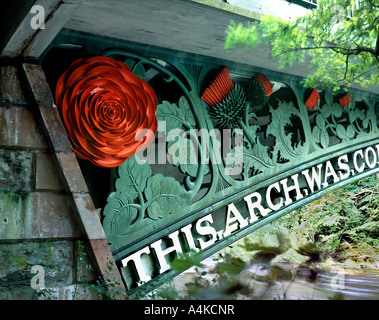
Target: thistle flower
pixel 345 100
pixel 258 91
pixel 312 99
pixel 226 100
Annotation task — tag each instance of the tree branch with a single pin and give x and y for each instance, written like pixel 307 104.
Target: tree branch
pixel 317 47
pixel 341 50
pixel 346 66
pixel 363 73
pixel 360 49
pixel 373 4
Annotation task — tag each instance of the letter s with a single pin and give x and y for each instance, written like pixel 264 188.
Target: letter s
pixel 206 230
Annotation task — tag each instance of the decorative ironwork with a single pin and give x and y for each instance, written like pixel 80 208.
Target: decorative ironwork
pixel 258 91
pixel 275 139
pixel 345 100
pixel 343 121
pixel 103 105
pixel 199 168
pixel 219 88
pixel 312 99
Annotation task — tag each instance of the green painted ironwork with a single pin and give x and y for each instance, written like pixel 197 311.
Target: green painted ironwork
pixel 281 139
pixel 144 202
pixel 283 136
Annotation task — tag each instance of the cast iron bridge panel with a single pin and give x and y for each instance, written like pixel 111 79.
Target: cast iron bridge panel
pixel 200 187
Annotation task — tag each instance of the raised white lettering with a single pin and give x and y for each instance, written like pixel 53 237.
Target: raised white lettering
pixel 371 163
pixel 160 253
pixel 236 217
pixel 256 205
pixel 316 177
pixel 136 258
pixel 343 166
pixel 329 172
pixel 206 230
pixel 268 197
pixel 287 189
pixel 189 238
pixel 362 167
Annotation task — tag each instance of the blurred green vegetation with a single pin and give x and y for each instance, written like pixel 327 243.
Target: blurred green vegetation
pixel 340 230
pixel 342 226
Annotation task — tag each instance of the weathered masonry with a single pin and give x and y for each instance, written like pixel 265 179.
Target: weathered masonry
pixel 218 144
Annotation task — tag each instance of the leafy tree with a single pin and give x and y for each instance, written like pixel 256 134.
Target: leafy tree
pixel 341 37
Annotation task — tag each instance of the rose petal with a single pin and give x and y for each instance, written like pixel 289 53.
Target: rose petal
pixel 103 105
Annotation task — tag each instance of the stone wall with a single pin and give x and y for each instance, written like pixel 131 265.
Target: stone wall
pixel 38 225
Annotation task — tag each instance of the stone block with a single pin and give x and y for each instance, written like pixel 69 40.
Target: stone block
pixel 85 270
pixel 18 293
pixel 103 254
pixel 37 215
pixel 108 269
pixel 73 292
pixel 16 171
pixel 47 176
pixel 12 221
pixel 10 87
pixel 16 259
pixel 52 216
pixel 19 128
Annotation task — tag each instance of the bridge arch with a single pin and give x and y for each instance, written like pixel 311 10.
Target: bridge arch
pixel 201 186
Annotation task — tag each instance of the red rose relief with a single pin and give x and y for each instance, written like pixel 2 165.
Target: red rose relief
pixel 108 112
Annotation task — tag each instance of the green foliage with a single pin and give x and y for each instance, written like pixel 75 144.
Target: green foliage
pixel 341 40
pixel 251 275
pixel 345 223
pixel 224 281
pixel 267 252
pixel 137 194
pixel 339 228
pixel 342 226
